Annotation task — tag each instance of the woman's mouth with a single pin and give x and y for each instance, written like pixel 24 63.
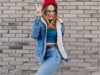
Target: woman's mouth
pixel 51 16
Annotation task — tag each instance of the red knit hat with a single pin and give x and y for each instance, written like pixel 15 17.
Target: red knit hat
pixel 46 2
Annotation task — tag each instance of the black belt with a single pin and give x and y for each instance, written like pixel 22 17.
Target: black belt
pixel 50 46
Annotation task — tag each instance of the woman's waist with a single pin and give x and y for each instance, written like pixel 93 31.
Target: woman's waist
pixel 51 45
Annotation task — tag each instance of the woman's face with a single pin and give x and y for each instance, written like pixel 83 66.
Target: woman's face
pixel 50 12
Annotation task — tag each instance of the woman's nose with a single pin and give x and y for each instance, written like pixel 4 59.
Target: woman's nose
pixel 51 13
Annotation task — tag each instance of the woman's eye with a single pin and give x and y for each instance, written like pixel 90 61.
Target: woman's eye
pixel 53 10
pixel 50 11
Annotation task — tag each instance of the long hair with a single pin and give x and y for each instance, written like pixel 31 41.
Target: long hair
pixel 50 24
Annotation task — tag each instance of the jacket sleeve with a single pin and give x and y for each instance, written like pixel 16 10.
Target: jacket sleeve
pixel 36 28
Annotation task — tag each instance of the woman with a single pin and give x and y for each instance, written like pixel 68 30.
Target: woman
pixel 48 31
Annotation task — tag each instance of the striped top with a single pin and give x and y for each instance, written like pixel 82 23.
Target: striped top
pixel 52 35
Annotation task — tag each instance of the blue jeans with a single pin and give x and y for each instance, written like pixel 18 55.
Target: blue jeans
pixel 52 62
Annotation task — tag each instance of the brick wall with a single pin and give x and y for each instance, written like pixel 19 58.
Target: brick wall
pixel 81 41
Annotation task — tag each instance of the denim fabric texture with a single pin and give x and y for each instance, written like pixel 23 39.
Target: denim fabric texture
pixel 39 34
pixel 52 62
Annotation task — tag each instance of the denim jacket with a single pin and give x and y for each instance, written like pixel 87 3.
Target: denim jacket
pixel 39 33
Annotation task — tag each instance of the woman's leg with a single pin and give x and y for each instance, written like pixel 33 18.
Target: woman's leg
pixel 52 62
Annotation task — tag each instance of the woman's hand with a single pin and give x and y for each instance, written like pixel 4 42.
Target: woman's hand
pixel 38 10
